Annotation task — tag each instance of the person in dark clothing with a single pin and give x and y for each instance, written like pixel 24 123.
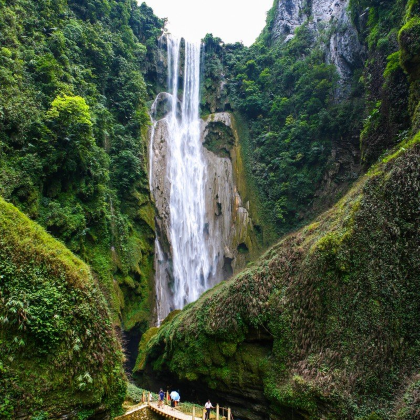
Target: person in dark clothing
pixel 161 401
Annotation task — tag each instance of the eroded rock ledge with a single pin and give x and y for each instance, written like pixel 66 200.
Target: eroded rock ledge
pixel 229 222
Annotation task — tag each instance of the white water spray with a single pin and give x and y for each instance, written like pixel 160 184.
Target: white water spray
pixel 187 172
pixel 190 265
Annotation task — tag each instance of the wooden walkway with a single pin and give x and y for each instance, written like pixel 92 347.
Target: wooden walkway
pixel 170 413
pixel 165 411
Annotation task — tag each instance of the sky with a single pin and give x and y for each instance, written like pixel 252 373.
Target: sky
pixel 230 20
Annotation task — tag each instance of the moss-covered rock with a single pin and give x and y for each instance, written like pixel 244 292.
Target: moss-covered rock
pixel 325 325
pixel 409 39
pixel 59 353
pixel 219 139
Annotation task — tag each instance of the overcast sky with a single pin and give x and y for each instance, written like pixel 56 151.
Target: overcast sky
pixel 231 20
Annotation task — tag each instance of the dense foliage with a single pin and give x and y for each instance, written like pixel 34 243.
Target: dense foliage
pixel 386 85
pixel 73 123
pixel 59 353
pixel 302 120
pixel 325 325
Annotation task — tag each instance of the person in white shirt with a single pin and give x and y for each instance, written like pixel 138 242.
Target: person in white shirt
pixel 208 407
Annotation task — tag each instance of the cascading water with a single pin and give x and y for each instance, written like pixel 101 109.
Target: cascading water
pixel 190 264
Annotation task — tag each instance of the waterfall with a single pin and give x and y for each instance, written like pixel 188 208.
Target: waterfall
pixel 189 267
pixel 187 177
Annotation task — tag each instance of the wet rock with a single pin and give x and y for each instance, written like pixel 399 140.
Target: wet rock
pixel 161 186
pixel 227 220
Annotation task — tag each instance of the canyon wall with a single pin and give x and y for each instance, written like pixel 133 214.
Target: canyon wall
pixel 229 227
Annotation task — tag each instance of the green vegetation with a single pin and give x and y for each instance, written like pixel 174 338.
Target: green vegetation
pixel 73 131
pixel 213 95
pixel 386 85
pixel 299 114
pixel 135 394
pixel 327 321
pixel 325 324
pixel 73 124
pixel 58 349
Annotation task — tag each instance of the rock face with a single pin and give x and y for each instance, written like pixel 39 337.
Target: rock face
pixel 228 217
pixel 343 49
pixel 160 185
pixel 160 188
pixel 229 228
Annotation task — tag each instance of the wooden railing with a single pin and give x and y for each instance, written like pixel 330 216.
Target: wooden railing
pixel 199 412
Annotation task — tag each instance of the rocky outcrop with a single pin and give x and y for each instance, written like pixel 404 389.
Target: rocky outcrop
pixel 229 228
pixel 289 15
pixel 343 48
pixel 160 184
pixel 227 216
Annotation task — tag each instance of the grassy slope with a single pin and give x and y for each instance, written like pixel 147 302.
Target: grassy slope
pixel 58 349
pixel 340 300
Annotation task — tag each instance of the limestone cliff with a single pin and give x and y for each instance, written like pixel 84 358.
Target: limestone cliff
pixel 230 231
pixel 226 211
pixel 329 18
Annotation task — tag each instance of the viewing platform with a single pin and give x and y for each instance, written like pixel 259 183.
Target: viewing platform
pixel 142 410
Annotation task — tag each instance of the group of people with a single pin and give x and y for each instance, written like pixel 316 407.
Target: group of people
pixel 174 397
pixel 208 406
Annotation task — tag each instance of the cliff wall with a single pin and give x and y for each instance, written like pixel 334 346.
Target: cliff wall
pixel 329 19
pixel 232 241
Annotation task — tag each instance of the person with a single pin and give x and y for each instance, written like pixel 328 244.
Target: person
pixel 208 407
pixel 161 398
pixel 172 403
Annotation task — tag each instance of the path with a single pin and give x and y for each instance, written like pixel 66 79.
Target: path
pixel 169 412
pixel 166 411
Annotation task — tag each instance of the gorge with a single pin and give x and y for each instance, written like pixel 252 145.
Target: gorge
pixel 234 222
